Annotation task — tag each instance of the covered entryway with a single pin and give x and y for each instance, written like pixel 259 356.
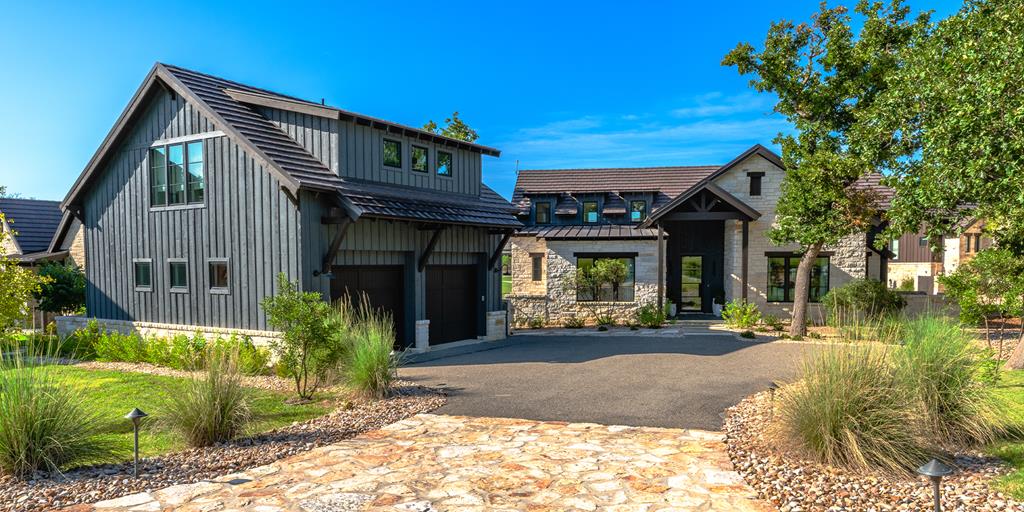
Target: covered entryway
pixel 453 302
pixel 384 287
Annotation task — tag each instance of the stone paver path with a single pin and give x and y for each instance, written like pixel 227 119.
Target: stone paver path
pixel 449 463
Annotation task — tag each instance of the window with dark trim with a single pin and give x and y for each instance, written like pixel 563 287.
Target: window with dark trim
pixel 537 266
pixel 782 277
pixel 637 210
pixel 392 153
pixel 218 270
pixel 755 182
pixel 625 290
pixel 143 270
pixel 977 243
pixel 419 159
pixel 444 163
pixel 543 213
pixel 922 241
pixel 589 212
pixel 178 270
pixel 176 174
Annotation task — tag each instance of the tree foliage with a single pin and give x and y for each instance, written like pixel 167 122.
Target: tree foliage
pixel 17 285
pixel 454 127
pixel 949 125
pixel 824 76
pixel 63 290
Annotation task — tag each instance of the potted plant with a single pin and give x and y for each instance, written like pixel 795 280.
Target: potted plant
pixel 717 304
pixel 670 308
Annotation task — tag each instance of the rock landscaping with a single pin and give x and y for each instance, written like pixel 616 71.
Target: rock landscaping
pixel 795 485
pixel 45 491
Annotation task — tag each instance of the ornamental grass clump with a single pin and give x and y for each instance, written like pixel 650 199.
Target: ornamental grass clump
pixel 214 406
pixel 852 410
pixel 371 363
pixel 45 422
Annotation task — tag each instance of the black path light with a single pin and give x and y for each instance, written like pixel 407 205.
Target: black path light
pixel 772 388
pixel 136 416
pixel 935 470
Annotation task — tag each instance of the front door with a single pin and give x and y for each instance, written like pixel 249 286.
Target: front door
pixel 691 286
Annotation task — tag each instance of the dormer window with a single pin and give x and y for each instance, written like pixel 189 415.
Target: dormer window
pixel 589 212
pixel 177 174
pixel 392 153
pixel 419 159
pixel 637 211
pixel 444 163
pixel 755 182
pixel 543 213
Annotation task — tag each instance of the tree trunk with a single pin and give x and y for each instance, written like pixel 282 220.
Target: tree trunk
pixel 1016 360
pixel 801 290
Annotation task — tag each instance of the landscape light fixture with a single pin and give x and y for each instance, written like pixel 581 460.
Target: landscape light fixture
pixel 935 470
pixel 136 416
pixel 772 387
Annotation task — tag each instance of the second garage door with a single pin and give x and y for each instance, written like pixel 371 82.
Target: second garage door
pixel 383 286
pixel 453 302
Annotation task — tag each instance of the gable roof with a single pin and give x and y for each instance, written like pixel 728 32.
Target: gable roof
pixel 286 159
pixel 33 221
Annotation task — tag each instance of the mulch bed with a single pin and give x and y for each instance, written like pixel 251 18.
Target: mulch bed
pixel 86 485
pixel 792 484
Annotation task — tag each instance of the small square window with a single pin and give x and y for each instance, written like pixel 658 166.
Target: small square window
pixel 590 212
pixel 755 182
pixel 923 241
pixel 392 153
pixel 179 275
pixel 637 211
pixel 218 275
pixel 543 215
pixel 419 159
pixel 143 275
pixel 444 163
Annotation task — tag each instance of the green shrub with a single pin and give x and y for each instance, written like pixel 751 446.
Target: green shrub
pixel 252 360
pixel 213 407
pixel 772 322
pixel 45 422
pixel 861 299
pixel 748 334
pixel 602 328
pixel 115 346
pixel 605 320
pixel 372 363
pixel 536 323
pixel 852 409
pixel 941 364
pixel 650 316
pixel 741 314
pixel 573 322
pixel 63 289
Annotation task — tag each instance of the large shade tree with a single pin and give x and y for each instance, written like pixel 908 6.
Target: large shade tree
pixel 823 75
pixel 454 127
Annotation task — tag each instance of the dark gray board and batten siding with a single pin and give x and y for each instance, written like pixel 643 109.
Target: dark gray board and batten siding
pixel 246 218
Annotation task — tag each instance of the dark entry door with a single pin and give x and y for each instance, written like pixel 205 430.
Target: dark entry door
pixel 384 286
pixel 453 302
pixel 696 254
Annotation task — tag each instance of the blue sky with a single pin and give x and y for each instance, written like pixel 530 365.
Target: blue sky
pixel 551 84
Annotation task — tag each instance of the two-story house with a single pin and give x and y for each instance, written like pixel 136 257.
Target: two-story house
pixel 206 189
pixel 692 236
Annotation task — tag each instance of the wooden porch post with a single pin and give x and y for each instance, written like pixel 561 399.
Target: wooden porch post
pixel 661 269
pixel 746 256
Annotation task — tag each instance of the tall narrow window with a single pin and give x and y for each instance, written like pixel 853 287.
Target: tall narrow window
pixel 543 215
pixel 755 182
pixel 444 163
pixel 637 210
pixel 419 159
pixel 537 262
pixel 896 249
pixel 392 153
pixel 196 183
pixel 143 275
pixel 977 243
pixel 589 212
pixel 176 174
pixel 218 276
pixel 178 275
pixel 158 176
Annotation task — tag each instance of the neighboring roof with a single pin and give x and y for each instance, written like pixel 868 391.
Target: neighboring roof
pixel 883 193
pixel 33 221
pixel 601 232
pixel 39 257
pixel 295 167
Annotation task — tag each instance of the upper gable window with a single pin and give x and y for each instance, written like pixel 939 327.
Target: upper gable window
pixel 543 214
pixel 589 212
pixel 755 182
pixel 444 163
pixel 177 174
pixel 392 153
pixel 419 159
pixel 637 211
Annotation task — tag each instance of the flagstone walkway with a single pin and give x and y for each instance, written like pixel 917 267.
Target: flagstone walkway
pixel 450 463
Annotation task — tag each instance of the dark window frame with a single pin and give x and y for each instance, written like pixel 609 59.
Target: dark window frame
pixel 451 163
pixel 383 154
pixel 977 242
pixel 148 262
pixel 597 212
pixel 171 262
pixel 922 241
pixel 536 266
pixel 643 215
pixel 594 257
pixel 187 184
pixel 756 179
pixel 412 158
pixel 536 211
pixel 219 290
pixel 791 261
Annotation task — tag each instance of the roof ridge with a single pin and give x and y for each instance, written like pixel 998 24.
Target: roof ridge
pixel 653 168
pixel 236 83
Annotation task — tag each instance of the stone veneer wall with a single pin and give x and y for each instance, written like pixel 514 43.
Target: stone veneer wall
pixel 553 299
pixel 69 324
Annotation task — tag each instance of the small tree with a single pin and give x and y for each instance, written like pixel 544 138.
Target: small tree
pixel 63 292
pixel 17 285
pixel 989 287
pixel 454 127
pixel 612 272
pixel 311 343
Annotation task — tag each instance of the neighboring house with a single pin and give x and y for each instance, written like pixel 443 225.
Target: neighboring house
pixel 206 189
pixel 915 264
pixel 712 221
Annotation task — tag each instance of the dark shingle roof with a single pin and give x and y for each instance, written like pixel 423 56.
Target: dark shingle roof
pixel 389 201
pixel 602 232
pixel 873 182
pixel 34 222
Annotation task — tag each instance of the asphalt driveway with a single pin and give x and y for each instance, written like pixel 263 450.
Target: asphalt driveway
pixel 684 382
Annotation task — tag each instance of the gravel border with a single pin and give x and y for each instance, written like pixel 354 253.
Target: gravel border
pixel 86 485
pixel 795 485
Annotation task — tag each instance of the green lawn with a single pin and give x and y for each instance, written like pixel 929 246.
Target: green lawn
pixel 506 285
pixel 1011 387
pixel 112 394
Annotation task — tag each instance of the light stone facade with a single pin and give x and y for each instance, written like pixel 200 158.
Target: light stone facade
pixel 69 324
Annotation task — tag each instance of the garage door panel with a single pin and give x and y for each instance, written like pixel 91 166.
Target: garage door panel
pixel 452 302
pixel 383 286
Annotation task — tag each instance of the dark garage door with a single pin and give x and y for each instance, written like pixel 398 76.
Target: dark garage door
pixel 453 302
pixel 383 285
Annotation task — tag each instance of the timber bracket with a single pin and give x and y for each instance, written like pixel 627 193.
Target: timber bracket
pixel 429 249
